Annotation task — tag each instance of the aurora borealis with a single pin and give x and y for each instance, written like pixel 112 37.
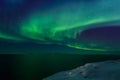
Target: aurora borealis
pixel 39 38
pixel 61 22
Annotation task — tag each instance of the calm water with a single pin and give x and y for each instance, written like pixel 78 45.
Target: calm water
pixel 36 67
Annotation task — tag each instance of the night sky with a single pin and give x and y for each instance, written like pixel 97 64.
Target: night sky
pixel 87 25
pixel 56 35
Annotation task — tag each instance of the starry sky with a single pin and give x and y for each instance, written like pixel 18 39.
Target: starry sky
pixel 60 26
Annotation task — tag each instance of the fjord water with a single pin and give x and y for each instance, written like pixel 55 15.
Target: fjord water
pixel 38 66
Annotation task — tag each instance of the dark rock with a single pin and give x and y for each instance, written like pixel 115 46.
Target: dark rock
pixel 108 70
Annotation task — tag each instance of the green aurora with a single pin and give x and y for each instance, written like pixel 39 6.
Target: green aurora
pixel 60 24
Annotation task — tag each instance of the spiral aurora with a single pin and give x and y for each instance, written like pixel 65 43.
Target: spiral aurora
pixel 60 22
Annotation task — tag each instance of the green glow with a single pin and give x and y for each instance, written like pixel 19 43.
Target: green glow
pixel 60 24
pixel 8 37
pixel 85 48
pixel 65 21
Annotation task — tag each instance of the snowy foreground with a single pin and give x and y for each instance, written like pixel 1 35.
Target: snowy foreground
pixel 107 70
